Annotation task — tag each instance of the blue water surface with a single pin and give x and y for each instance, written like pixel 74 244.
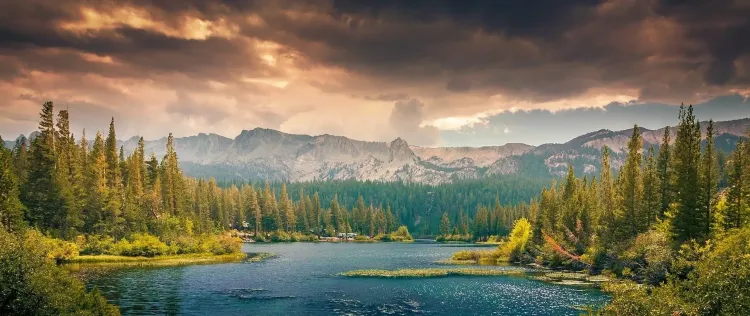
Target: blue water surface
pixel 303 280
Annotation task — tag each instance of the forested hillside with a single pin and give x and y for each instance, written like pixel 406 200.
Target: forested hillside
pixel 666 221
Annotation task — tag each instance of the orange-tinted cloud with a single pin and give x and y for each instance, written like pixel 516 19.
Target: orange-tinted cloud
pixel 350 67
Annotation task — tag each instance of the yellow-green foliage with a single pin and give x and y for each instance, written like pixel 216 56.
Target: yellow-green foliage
pixel 145 245
pixel 95 244
pixel 400 235
pixel 472 255
pixel 650 257
pixel 142 245
pixel 56 249
pixel 427 273
pixel 169 260
pixel 517 242
pixel 454 237
pixel 711 280
pixel 222 244
pixel 32 284
pixel 280 236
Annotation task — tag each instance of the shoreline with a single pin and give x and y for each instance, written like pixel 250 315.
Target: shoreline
pixel 168 260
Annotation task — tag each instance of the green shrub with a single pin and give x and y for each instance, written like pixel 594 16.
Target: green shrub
pixel 56 249
pixel 226 244
pixel 280 236
pixel 142 245
pixel 649 258
pixel 454 237
pixel 31 284
pixel 468 255
pixel 401 234
pixel 95 244
pixel 361 238
pixel 517 242
pixel 382 237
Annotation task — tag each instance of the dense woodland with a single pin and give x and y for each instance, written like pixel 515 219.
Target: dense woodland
pixel 421 207
pixel 663 221
pixel 676 219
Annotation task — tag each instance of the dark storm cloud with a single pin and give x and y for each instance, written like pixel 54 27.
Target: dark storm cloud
pixel 539 50
pixel 454 56
pixel 723 26
pixel 542 18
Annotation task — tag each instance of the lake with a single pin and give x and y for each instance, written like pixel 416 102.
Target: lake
pixel 303 280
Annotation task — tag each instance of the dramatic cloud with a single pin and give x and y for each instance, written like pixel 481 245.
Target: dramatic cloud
pixel 364 69
pixel 406 119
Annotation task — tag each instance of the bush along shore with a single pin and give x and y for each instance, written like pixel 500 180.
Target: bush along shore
pixel 400 235
pixel 670 229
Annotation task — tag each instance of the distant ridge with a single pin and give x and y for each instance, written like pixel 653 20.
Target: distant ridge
pixel 263 153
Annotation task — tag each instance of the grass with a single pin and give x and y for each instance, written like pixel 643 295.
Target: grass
pixel 571 278
pixel 170 260
pixel 428 273
pixel 259 256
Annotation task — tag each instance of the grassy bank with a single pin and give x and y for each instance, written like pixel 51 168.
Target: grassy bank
pixel 167 260
pixel 428 273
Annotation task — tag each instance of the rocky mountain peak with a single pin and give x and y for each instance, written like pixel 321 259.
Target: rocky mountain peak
pixel 399 151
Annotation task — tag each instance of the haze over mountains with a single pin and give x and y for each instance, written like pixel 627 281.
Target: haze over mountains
pixel 270 154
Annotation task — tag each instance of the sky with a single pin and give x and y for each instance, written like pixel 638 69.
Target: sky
pixel 434 72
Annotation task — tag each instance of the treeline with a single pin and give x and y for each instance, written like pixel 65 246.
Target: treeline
pixel 676 190
pixel 67 187
pixel 663 220
pixel 420 206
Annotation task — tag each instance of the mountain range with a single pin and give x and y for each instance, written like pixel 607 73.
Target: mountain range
pixel 270 154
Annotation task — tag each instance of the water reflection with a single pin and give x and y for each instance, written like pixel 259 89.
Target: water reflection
pixel 303 280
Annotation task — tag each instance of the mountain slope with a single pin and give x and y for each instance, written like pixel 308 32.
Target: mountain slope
pixel 269 154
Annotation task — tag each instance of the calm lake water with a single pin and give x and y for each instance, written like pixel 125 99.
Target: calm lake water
pixel 303 280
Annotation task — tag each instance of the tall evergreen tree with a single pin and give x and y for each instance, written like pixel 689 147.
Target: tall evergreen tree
pixel 445 224
pixel 665 172
pixel 96 180
pixel 689 221
pixel 738 189
pixel 41 192
pixel 709 177
pixel 11 209
pixel 287 210
pixel 652 189
pixel 21 159
pixel 630 214
pixel 608 199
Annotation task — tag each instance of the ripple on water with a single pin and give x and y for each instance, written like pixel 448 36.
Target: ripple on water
pixel 254 294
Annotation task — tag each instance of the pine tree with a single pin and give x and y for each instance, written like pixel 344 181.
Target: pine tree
pixel 709 177
pixel 96 181
pixel 11 209
pixel 665 172
pixel 445 224
pixel 287 210
pixel 608 197
pixel 738 188
pixel 652 201
pixel 171 179
pixel 66 220
pixel 134 211
pixel 689 218
pixel 21 159
pixel 317 213
pixel 336 219
pixel 630 215
pixel 302 218
pixel 113 175
pixel 271 222
pixel 41 193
